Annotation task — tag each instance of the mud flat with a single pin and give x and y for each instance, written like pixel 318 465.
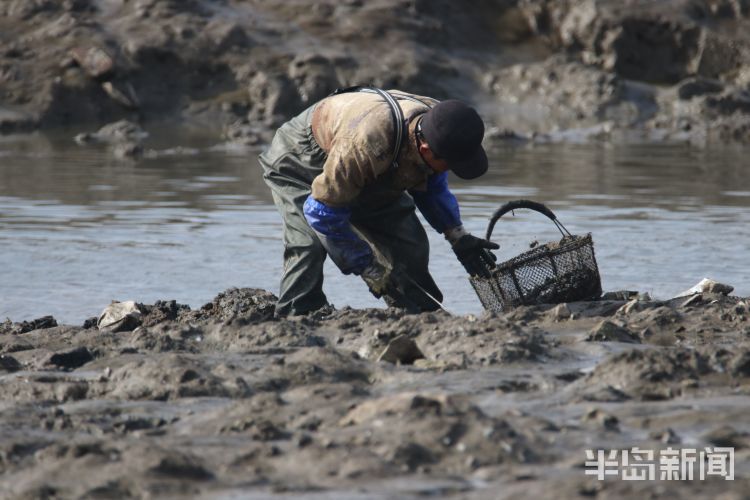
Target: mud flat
pixel 226 400
pixel 571 70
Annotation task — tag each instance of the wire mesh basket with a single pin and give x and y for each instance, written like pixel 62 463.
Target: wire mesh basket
pixel 555 272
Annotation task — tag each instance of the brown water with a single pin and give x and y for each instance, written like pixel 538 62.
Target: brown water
pixel 79 229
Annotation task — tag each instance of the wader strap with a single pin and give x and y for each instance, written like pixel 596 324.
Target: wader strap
pixel 396 112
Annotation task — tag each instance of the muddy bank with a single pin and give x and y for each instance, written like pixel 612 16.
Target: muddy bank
pixel 228 399
pixel 538 70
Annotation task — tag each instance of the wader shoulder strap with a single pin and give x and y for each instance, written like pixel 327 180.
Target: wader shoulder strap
pixel 396 112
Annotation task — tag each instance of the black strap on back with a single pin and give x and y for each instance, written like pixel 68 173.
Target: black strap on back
pixel 396 112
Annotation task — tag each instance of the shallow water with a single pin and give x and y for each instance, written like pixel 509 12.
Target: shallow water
pixel 79 229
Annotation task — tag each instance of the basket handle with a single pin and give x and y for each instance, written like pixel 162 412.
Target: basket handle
pixel 531 205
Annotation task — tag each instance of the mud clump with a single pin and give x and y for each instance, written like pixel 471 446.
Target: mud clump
pixel 662 374
pixel 242 304
pixel 8 327
pixel 583 69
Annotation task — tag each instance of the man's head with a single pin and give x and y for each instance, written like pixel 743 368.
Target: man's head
pixel 451 136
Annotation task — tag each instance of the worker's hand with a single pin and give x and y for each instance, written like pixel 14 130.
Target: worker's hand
pixel 378 279
pixel 474 253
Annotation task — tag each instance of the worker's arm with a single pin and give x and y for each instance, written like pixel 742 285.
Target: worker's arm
pixel 347 250
pixel 440 207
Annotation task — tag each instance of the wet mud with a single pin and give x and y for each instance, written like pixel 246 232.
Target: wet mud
pixel 574 70
pixel 227 400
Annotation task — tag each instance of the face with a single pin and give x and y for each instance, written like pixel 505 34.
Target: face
pixel 435 163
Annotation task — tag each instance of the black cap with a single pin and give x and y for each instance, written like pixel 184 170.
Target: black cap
pixel 454 132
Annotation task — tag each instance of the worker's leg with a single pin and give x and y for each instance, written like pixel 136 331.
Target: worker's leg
pixel 289 165
pixel 398 238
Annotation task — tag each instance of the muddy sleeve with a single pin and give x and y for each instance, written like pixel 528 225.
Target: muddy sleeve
pixel 347 250
pixel 353 162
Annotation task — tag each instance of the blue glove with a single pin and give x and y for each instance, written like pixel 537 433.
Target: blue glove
pixel 347 250
pixel 437 204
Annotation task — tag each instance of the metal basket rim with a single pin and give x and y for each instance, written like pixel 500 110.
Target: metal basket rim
pixel 529 255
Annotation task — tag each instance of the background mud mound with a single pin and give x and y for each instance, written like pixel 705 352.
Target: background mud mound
pixel 315 365
pixel 41 387
pixel 246 67
pixel 697 320
pixel 445 340
pixel 162 310
pixel 648 374
pixel 416 431
pixel 243 304
pixel 267 335
pixel 168 377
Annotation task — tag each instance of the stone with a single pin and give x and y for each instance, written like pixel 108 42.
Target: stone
pixel 95 61
pixel 707 285
pixel 123 94
pixel 727 436
pixel 666 436
pixel 652 50
pixel 608 331
pixel 603 419
pixel 620 295
pixel 9 363
pixel 273 97
pixel 740 365
pixel 120 317
pixel 70 359
pixel 401 350
pixel 698 86
pixel 560 312
pixel 127 150
pixel 14 121
pixel 693 300
pixel 30 326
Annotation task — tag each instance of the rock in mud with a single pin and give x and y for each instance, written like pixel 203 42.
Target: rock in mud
pixel 243 304
pixel 666 436
pixel 70 359
pixel 401 350
pixel 316 365
pixel 421 429
pixel 120 317
pixel 647 374
pixel 608 331
pixel 180 466
pixel 601 419
pixel 728 436
pixel 161 311
pixel 27 326
pixel 169 377
pixel 9 363
pixel 95 61
pixel 698 87
pixel 120 132
pixel 707 285
pixel 620 295
pixel 560 312
pixel 122 93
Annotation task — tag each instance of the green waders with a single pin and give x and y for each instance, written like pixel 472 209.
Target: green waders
pixel 389 225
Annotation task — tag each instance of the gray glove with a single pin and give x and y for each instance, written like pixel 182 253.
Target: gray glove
pixel 378 279
pixel 388 284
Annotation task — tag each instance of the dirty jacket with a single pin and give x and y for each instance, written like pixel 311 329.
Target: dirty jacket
pixel 356 132
pixel 355 129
